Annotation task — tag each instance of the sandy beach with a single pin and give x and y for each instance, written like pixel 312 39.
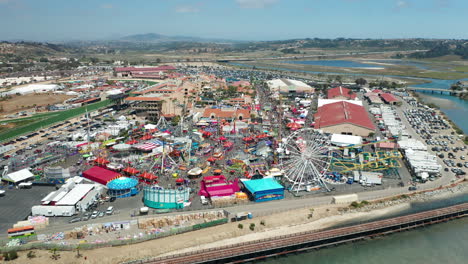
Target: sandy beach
pixel 289 222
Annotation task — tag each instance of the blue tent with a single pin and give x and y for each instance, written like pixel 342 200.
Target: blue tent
pixel 263 190
pixel 122 187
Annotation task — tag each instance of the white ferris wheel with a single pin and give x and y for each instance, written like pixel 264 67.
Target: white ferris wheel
pixel 305 158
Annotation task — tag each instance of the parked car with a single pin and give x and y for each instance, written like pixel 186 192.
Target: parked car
pixel 412 188
pixel 94 214
pixel 203 199
pixel 74 220
pixel 101 214
pixel 110 210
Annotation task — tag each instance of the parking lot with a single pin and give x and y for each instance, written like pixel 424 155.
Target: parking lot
pixel 16 204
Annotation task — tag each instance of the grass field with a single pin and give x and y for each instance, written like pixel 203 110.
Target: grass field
pixel 48 120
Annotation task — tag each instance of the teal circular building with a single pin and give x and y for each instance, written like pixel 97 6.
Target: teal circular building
pixel 122 187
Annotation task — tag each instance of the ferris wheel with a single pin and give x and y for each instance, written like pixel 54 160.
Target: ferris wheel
pixel 305 158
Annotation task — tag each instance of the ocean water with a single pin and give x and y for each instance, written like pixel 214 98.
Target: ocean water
pixel 441 243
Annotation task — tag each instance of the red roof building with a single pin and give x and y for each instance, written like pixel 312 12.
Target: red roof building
pixel 344 118
pixel 389 98
pixel 100 175
pixel 340 93
pixel 239 114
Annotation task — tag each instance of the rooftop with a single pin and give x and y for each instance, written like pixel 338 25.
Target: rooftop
pixel 342 112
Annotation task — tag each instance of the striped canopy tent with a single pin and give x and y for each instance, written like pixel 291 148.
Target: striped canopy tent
pixel 294 126
pixel 148 146
pixel 101 161
pixel 132 142
pixel 131 170
pixel 148 178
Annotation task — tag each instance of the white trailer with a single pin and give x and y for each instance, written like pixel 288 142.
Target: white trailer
pixel 348 198
pixel 52 210
pixel 371 178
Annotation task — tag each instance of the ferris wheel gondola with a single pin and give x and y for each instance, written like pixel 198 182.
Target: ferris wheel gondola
pixel 305 158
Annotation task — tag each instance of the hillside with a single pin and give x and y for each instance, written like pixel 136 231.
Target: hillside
pixel 458 48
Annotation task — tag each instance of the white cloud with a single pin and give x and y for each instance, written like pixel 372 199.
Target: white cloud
pixel 400 4
pixel 187 9
pixel 107 6
pixel 255 3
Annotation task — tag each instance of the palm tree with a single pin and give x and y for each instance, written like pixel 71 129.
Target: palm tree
pixel 55 255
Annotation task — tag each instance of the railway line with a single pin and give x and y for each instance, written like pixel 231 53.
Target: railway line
pixel 276 246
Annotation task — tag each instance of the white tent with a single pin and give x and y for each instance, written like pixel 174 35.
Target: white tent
pixel 345 140
pixel 18 176
pixel 150 126
pixel 122 146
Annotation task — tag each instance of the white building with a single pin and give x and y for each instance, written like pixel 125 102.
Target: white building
pixel 289 86
pixel 74 196
pixel 34 88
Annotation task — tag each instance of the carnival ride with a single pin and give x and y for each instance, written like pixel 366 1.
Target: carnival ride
pixel 305 158
pixel 380 160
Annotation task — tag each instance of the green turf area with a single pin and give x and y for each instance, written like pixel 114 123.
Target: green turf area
pixel 53 118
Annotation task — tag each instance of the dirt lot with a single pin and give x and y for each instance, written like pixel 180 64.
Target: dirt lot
pixel 23 102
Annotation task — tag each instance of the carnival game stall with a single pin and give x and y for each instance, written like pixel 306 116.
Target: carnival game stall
pixel 218 185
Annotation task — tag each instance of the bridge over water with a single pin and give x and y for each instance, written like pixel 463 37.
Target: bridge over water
pixel 434 90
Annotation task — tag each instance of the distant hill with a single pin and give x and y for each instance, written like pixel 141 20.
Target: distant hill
pixel 31 49
pixel 459 48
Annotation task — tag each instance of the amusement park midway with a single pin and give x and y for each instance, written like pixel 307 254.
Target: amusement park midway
pixel 179 156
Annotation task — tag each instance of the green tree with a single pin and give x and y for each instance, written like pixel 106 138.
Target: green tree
pixel 361 81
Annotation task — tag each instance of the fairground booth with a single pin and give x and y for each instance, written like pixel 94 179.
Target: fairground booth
pixel 262 190
pixel 156 197
pixel 218 186
pixel 122 187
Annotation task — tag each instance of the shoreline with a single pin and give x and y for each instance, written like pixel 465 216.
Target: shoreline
pixel 288 222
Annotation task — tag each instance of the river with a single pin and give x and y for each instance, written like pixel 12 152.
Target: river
pixel 455 108
pixel 441 243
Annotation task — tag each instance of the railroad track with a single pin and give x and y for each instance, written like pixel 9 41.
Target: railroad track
pixel 305 241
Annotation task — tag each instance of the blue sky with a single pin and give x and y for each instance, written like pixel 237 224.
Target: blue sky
pixel 233 19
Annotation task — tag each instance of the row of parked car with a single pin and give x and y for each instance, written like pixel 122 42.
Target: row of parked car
pixel 92 215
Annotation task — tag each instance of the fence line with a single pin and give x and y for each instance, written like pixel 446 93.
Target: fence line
pixel 112 243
